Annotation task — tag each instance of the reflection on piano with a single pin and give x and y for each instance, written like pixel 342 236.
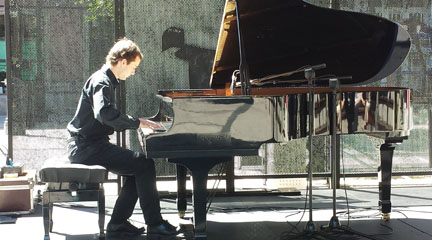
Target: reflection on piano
pixel 280 38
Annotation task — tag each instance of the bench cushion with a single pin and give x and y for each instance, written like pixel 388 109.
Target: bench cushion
pixel 61 170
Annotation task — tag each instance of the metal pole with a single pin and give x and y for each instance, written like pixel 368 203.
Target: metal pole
pixel 430 136
pixel 333 147
pixel 310 76
pixel 9 79
pixel 338 161
pixel 119 31
pixel 335 4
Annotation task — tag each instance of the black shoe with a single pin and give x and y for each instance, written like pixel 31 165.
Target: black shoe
pixel 164 228
pixel 123 229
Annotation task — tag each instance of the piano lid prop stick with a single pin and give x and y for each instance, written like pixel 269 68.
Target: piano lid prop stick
pixel 234 81
pixel 244 67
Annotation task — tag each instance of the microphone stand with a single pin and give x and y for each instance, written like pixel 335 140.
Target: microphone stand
pixel 334 223
pixel 310 77
pixel 309 230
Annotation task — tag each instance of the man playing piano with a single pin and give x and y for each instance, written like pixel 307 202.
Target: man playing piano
pixel 95 119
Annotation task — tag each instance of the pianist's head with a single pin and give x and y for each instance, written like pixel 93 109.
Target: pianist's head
pixel 123 58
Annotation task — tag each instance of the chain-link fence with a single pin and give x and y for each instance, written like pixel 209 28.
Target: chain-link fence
pixel 56 45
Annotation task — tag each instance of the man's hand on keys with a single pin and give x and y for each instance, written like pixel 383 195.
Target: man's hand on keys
pixel 145 123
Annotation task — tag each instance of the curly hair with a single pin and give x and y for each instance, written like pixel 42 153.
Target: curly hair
pixel 123 49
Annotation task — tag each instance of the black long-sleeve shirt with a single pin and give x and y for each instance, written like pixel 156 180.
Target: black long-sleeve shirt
pixel 96 116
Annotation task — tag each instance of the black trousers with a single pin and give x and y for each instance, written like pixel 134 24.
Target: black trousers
pixel 139 172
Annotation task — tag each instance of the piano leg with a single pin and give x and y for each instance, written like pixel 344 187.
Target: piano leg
pixel 385 174
pixel 181 190
pixel 199 179
pixel 199 169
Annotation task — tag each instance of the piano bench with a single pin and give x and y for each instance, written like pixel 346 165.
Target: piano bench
pixel 68 182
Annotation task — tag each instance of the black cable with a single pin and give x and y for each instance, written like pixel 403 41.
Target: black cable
pixel 295 226
pixel 385 226
pixel 408 210
pixel 363 216
pixel 4 150
pixel 388 227
pixel 402 214
pixel 215 186
pixel 346 228
pixel 347 201
pixel 286 234
pixel 252 209
pixel 414 227
pixel 371 216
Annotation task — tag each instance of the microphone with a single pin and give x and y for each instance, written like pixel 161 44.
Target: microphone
pixel 316 67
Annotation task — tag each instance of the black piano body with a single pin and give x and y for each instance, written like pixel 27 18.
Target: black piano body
pixel 210 126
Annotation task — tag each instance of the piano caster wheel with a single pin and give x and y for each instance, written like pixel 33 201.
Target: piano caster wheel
pixel 182 214
pixel 385 216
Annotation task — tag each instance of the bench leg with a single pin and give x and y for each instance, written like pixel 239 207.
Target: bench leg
pixel 64 196
pixel 101 209
pixel 51 222
pixel 46 207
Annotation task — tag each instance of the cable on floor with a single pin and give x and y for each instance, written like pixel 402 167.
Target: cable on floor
pixel 216 183
pixel 285 235
pixel 414 227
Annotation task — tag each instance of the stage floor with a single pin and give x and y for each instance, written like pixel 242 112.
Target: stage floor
pixel 256 217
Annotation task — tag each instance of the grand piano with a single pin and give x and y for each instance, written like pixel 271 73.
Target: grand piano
pixel 275 58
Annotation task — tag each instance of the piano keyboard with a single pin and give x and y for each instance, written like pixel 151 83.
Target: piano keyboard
pixel 164 126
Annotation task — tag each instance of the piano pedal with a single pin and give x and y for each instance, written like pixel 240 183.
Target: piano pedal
pixel 385 216
pixel 187 230
pixel 181 214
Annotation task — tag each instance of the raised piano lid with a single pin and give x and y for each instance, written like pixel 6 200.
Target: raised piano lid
pixel 284 35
